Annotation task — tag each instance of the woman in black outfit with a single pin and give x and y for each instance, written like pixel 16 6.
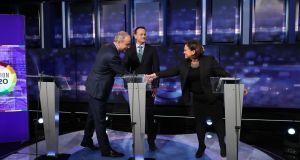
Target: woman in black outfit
pixel 195 73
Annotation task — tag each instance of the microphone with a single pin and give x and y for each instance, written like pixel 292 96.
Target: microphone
pixel 41 74
pixel 134 77
pixel 133 73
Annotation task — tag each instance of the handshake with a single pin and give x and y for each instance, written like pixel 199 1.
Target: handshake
pixel 150 77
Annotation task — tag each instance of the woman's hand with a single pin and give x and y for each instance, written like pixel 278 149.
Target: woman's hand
pixel 246 91
pixel 154 92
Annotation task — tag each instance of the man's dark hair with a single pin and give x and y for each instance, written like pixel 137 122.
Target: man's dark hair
pixel 139 27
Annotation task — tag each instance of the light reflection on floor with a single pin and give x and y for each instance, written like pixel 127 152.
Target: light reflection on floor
pixel 176 147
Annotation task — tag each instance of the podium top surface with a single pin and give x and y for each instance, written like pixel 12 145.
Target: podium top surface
pixel 60 81
pixel 42 78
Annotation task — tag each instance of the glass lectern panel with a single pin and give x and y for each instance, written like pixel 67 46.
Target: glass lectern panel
pixel 60 81
pixel 136 78
pixel 217 83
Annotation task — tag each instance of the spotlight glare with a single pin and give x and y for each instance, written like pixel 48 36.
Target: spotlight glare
pixel 291 131
pixel 139 157
pixel 209 122
pixel 40 121
pixel 209 136
pixel 51 154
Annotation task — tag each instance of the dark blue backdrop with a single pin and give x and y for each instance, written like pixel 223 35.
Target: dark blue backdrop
pixel 269 71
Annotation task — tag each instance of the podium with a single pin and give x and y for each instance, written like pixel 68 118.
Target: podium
pixel 233 92
pixel 137 88
pixel 49 87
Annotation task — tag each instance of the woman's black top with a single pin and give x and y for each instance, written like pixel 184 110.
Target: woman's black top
pixel 194 81
pixel 209 67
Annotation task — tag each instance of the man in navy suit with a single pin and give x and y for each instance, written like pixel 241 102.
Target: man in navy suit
pixel 143 59
pixel 99 85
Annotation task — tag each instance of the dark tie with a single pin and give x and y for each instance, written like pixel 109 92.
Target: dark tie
pixel 140 52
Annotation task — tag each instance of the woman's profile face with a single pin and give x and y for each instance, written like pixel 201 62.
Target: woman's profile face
pixel 187 52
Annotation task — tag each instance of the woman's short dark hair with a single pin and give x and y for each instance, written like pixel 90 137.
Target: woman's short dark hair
pixel 197 47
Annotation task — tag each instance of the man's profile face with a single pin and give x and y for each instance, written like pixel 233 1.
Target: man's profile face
pixel 140 36
pixel 125 44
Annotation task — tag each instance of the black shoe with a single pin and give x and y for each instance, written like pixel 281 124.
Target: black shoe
pixel 89 145
pixel 200 152
pixel 223 151
pixel 112 153
pixel 152 145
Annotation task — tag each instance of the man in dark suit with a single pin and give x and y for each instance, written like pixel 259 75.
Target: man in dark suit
pixel 99 85
pixel 142 58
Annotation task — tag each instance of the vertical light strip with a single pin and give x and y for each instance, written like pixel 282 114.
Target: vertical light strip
pixel 42 29
pixel 160 23
pixel 286 22
pixel 164 21
pixel 297 17
pixel 290 21
pixel 198 29
pixel 68 23
pixel 246 21
pixel 204 20
pixel 98 23
pixel 253 29
pixel 237 20
pixel 133 16
pixel 129 9
pixel 94 28
pixel 63 13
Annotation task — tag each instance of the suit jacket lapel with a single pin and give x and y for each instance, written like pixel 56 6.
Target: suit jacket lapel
pixel 144 54
pixel 134 54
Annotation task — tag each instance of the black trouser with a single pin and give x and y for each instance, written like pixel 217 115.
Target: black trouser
pixel 203 110
pixel 97 120
pixel 150 125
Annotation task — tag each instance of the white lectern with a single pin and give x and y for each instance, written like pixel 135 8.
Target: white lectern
pixel 233 101
pixel 137 88
pixel 49 97
pixel 49 87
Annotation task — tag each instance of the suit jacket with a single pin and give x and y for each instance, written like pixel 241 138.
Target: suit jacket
pixel 148 65
pixel 101 79
pixel 209 67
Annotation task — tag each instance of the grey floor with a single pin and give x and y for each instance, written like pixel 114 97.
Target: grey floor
pixel 175 147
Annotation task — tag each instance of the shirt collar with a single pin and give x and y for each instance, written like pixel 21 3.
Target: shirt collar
pixel 143 45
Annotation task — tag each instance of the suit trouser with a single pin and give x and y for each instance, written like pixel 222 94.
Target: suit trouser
pixel 96 120
pixel 202 113
pixel 150 125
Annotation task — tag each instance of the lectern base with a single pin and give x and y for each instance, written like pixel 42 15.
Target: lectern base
pixel 57 157
pixel 133 158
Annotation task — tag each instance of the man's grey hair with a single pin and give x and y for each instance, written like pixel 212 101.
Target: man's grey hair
pixel 120 36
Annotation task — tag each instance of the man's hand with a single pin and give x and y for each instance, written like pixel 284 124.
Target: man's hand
pixel 150 77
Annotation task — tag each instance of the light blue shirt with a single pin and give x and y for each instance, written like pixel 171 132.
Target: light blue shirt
pixel 137 48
